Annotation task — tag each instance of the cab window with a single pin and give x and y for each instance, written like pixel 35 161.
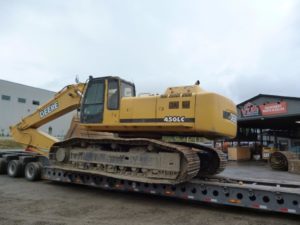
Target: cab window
pixel 113 95
pixel 92 108
pixel 127 90
pixel 94 93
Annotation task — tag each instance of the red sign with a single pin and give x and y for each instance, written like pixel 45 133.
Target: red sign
pixel 273 108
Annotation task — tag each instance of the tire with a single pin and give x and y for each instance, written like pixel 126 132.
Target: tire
pixel 3 166
pixel 14 168
pixel 33 171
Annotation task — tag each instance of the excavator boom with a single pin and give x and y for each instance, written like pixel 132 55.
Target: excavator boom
pixel 26 132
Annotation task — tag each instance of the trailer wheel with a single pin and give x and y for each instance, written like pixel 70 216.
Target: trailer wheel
pixel 14 168
pixel 3 166
pixel 33 171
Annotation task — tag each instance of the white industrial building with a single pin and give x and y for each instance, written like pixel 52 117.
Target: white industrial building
pixel 18 101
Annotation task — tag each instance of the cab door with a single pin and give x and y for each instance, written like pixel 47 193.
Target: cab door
pixel 93 103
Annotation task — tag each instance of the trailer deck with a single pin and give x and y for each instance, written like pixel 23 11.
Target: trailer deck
pixel 259 194
pixel 237 186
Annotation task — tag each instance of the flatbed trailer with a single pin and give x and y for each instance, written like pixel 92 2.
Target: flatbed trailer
pixel 264 195
pixel 267 195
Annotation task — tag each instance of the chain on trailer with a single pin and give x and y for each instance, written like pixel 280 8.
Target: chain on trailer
pixel 263 194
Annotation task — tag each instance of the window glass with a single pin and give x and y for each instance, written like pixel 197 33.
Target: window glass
pixel 127 90
pixel 92 108
pixel 6 97
pixel 34 102
pixel 93 111
pixel 113 94
pixel 94 93
pixel 22 100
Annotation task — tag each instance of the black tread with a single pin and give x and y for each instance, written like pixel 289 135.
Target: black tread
pixel 3 166
pixel 280 160
pixel 15 168
pixel 33 171
pixel 212 161
pixel 189 170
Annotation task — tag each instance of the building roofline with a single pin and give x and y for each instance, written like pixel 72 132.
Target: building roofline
pixel 267 95
pixel 24 85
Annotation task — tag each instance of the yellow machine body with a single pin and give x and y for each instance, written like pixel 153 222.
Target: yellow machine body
pixel 181 111
pixel 267 151
pixel 185 111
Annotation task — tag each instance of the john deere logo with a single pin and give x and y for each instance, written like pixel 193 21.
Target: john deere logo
pixel 49 109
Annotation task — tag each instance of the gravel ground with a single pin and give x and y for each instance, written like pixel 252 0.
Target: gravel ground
pixel 47 203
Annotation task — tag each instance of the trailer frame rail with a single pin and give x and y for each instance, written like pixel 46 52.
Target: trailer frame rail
pixel 255 194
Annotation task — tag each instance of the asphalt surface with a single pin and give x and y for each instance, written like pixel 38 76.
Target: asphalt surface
pixel 257 170
pixel 44 202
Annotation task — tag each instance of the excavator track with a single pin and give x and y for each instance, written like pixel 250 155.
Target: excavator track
pixel 212 161
pixel 135 159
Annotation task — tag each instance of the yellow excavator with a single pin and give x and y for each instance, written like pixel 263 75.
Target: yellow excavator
pixel 123 133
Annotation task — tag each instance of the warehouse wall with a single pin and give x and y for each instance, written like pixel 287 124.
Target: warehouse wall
pixel 17 101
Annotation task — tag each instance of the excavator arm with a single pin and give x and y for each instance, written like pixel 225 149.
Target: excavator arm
pixel 26 132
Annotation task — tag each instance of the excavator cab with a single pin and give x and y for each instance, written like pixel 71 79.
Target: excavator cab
pixel 103 93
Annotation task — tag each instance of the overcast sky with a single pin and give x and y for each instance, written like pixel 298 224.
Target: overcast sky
pixel 236 48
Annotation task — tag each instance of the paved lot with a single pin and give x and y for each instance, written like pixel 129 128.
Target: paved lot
pixel 39 203
pixel 257 170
